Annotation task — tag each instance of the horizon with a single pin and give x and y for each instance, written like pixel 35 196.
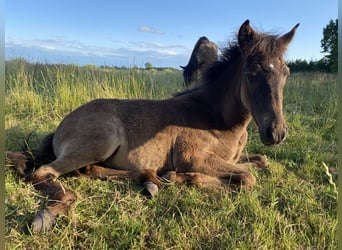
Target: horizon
pixel 143 67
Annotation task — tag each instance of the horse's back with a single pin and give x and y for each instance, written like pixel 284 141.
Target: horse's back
pixel 124 134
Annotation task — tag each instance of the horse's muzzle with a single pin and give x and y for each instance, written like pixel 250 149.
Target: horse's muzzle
pixel 274 135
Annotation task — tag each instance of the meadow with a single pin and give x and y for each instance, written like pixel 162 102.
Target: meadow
pixel 293 205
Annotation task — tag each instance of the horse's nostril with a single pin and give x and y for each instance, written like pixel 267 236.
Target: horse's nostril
pixel 284 133
pixel 269 132
pixel 275 136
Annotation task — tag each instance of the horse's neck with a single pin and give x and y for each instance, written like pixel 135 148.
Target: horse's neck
pixel 224 96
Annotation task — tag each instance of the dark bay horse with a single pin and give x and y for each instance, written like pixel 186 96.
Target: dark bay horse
pixel 196 137
pixel 203 55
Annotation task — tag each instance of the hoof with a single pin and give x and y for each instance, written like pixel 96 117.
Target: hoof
pixel 151 188
pixel 261 162
pixel 248 182
pixel 43 221
pixel 170 176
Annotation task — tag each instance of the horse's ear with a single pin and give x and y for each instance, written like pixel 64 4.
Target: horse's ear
pixel 183 67
pixel 284 40
pixel 246 34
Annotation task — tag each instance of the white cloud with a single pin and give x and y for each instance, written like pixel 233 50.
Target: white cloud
pixel 162 49
pixel 63 44
pixel 148 29
pixel 165 54
pixel 58 43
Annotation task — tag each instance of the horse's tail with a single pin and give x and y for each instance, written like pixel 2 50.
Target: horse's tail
pixel 27 161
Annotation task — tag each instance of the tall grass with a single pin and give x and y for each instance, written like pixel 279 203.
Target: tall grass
pixel 39 96
pixel 293 205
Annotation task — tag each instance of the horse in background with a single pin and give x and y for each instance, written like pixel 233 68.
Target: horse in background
pixel 203 55
pixel 196 137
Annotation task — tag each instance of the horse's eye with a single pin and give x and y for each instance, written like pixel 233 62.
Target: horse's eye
pixel 251 76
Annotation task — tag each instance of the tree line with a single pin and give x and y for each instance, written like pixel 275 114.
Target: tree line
pixel 300 65
pixel 329 45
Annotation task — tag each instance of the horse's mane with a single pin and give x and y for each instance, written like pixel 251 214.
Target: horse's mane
pixel 262 44
pixel 216 67
pixel 228 56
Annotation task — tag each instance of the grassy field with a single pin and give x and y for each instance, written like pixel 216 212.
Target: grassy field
pixel 293 206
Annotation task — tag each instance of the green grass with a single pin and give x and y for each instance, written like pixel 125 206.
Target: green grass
pixel 293 206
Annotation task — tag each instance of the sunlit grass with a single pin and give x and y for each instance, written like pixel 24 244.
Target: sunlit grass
pixel 293 206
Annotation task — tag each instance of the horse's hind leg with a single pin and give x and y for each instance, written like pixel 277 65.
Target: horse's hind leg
pixel 147 178
pixel 99 172
pixel 60 198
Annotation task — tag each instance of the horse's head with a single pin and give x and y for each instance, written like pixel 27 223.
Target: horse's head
pixel 264 76
pixel 203 54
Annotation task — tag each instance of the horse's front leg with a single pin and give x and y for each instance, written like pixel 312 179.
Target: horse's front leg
pixel 254 160
pixel 215 172
pixel 193 178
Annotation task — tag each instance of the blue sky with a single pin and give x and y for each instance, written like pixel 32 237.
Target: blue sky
pixel 127 33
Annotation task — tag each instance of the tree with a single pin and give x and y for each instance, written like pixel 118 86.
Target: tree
pixel 329 45
pixel 148 66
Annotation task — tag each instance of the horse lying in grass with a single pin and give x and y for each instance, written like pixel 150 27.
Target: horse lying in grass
pixel 196 137
pixel 202 56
